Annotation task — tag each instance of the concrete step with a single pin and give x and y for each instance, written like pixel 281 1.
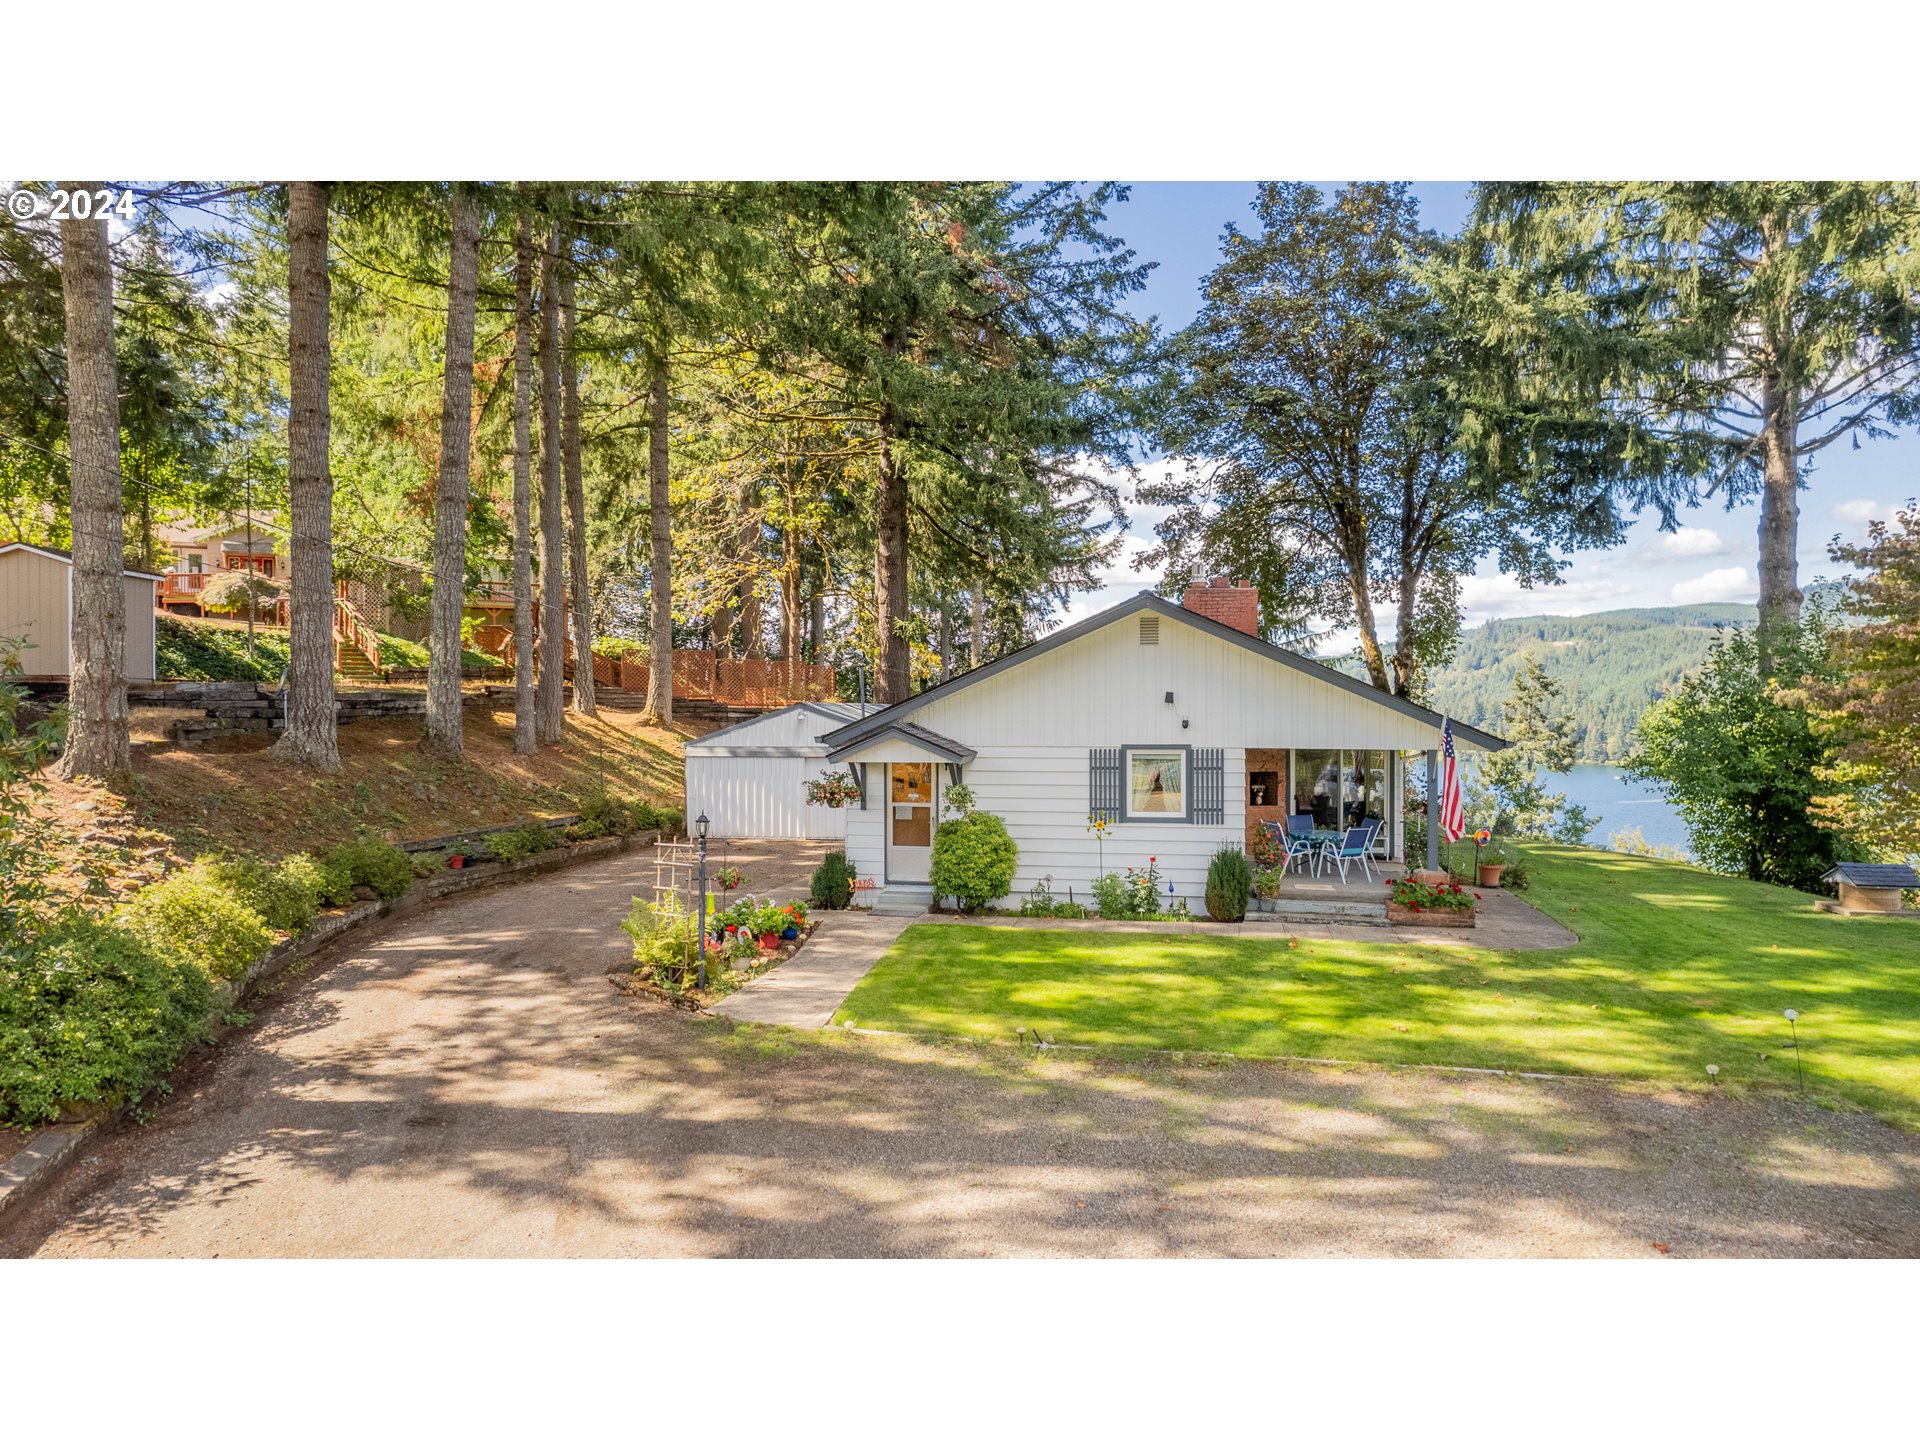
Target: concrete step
pixel 1320 912
pixel 899 899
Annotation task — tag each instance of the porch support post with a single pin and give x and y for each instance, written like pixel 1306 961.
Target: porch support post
pixel 1433 809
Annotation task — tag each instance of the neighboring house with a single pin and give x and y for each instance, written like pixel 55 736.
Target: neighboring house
pixel 1174 722
pixel 227 544
pixel 36 603
pixel 749 779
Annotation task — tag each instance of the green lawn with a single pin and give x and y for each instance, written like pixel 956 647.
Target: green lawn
pixel 1675 969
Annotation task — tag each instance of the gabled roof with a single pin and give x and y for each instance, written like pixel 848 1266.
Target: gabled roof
pixel 940 746
pixel 1147 601
pixel 1873 877
pixel 64 557
pixel 832 709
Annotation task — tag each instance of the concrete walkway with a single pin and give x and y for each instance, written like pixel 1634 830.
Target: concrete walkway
pixel 806 990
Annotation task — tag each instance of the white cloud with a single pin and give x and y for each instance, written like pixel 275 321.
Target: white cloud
pixel 1715 587
pixel 1859 512
pixel 1497 596
pixel 1694 541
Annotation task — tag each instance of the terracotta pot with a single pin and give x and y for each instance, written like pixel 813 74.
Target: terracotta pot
pixel 1490 876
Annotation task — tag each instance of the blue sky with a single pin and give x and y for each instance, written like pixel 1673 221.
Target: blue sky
pixel 1712 558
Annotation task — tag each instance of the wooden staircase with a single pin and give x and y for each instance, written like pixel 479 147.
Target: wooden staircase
pixel 356 648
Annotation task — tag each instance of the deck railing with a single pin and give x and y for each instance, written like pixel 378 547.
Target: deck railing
pixel 350 629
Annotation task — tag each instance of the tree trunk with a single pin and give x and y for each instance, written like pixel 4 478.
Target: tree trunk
pixel 584 700
pixel 660 524
pixel 445 732
pixel 791 626
pixel 525 741
pixel 817 616
pixel 1780 596
pixel 977 641
pixel 549 696
pixel 97 745
pixel 312 736
pixel 894 678
pixel 753 644
pixel 946 637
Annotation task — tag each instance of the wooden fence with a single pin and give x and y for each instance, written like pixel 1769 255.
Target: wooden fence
pixel 697 674
pixel 701 675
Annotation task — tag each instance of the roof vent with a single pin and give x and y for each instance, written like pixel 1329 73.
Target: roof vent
pixel 1149 629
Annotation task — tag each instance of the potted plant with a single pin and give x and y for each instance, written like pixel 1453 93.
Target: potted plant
pixel 728 877
pixel 459 854
pixel 769 921
pixel 1493 863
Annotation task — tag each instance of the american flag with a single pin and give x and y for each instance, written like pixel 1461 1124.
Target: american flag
pixel 1453 810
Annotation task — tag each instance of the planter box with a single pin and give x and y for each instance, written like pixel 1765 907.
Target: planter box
pixel 1435 919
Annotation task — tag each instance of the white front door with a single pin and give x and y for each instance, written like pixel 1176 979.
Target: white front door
pixel 910 790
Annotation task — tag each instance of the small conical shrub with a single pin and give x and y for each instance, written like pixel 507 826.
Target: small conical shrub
pixel 1229 883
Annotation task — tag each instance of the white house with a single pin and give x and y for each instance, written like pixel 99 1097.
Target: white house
pixel 749 779
pixel 36 604
pixel 1175 722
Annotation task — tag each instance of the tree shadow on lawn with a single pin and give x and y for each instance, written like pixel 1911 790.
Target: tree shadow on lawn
pixel 1612 1005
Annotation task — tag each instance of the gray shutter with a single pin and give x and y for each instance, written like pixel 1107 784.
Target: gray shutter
pixel 1209 787
pixel 1103 785
pixel 859 773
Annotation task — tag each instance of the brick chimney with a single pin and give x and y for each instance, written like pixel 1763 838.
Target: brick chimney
pixel 1230 602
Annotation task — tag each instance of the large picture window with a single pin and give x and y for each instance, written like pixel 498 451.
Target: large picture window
pixel 1156 784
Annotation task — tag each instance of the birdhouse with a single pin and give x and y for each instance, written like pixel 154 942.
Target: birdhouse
pixel 1870 889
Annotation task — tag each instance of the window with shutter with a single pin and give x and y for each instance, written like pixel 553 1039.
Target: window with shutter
pixel 1103 785
pixel 1209 787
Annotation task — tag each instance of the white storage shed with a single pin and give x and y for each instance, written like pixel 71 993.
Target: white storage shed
pixel 748 779
pixel 36 604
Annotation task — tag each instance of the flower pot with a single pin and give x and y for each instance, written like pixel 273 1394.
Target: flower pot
pixel 792 932
pixel 769 942
pixel 1490 875
pixel 456 862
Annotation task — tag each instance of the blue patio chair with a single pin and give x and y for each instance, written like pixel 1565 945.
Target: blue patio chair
pixel 1292 847
pixel 1358 845
pixel 1299 824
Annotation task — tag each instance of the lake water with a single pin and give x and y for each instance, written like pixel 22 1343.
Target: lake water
pixel 1617 801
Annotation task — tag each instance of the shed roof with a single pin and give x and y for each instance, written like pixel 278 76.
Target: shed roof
pixel 63 557
pixel 1873 877
pixel 835 712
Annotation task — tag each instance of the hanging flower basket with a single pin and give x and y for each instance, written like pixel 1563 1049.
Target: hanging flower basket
pixel 835 789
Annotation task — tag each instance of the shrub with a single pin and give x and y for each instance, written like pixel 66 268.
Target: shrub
pixel 1112 897
pixel 89 1013
pixel 604 813
pixel 663 942
pixel 1267 882
pixel 385 869
pixel 832 885
pixel 523 840
pixel 974 859
pixel 286 896
pixel 1229 883
pixel 192 918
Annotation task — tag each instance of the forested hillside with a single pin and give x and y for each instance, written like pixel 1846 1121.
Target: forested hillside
pixel 1613 665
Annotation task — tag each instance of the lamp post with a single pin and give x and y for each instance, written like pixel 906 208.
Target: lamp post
pixel 700 915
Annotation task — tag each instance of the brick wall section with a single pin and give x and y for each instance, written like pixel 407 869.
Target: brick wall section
pixel 1231 602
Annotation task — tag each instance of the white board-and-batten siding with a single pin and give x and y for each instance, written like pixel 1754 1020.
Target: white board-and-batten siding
pixel 1035 725
pixel 749 779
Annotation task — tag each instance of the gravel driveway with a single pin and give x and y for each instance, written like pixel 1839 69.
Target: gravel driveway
pixel 467 1082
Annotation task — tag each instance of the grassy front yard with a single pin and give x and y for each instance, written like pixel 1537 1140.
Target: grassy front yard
pixel 1675 969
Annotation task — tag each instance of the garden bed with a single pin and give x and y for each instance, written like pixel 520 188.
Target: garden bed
pixel 1431 919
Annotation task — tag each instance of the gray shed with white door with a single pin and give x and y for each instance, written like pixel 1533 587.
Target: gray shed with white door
pixel 749 779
